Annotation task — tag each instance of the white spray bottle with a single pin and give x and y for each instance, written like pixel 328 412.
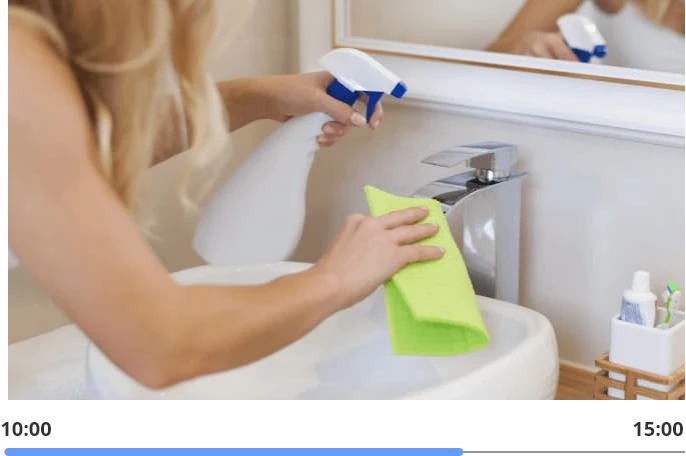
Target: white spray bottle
pixel 583 37
pixel 257 216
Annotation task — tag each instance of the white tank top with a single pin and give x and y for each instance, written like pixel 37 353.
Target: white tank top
pixel 634 41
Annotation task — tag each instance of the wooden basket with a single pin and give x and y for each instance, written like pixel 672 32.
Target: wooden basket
pixel 674 382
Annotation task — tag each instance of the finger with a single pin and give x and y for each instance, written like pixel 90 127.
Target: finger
pixel 376 116
pixel 410 234
pixel 334 129
pixel 341 112
pixel 416 253
pixel 325 140
pixel 353 221
pixel 559 49
pixel 350 226
pixel 541 50
pixel 403 217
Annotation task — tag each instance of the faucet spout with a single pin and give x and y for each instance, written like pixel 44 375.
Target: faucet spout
pixel 484 219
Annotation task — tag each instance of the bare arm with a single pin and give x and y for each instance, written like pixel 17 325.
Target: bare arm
pixel 535 15
pixel 74 236
pixel 277 98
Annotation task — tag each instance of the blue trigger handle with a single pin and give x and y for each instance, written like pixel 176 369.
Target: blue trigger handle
pixel 341 93
pixel 585 56
pixel 349 97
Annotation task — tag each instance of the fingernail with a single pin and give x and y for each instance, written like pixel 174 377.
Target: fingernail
pixel 321 139
pixel 358 119
pixel 329 130
pixel 375 124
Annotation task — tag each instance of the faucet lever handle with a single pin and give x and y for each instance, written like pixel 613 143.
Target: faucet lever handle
pixel 489 155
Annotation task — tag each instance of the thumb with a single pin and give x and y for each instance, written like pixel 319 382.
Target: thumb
pixel 341 112
pixel 560 50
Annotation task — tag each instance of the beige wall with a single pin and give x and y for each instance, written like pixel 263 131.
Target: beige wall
pixel 465 24
pixel 261 48
pixel 594 209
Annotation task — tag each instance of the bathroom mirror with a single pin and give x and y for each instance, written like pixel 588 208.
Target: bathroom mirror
pixel 644 38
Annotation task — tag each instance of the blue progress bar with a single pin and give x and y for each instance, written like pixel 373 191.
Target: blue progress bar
pixel 234 451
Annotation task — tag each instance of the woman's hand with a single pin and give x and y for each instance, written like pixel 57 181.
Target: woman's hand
pixel 542 44
pixel 368 251
pixel 299 94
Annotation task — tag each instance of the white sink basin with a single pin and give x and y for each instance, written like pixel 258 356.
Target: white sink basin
pixel 349 357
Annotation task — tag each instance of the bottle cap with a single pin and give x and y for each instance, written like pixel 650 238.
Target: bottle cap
pixel 641 283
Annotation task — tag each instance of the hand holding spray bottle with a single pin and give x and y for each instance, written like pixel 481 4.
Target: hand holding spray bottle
pixel 582 36
pixel 257 216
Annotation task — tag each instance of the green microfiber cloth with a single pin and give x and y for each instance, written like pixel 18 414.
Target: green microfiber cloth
pixel 431 306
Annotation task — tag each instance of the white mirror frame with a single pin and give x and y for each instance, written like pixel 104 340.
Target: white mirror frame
pixel 620 102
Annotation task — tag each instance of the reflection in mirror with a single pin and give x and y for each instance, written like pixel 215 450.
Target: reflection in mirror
pixel 641 34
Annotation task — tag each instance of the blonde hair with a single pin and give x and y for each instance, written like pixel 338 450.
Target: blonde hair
pixel 119 51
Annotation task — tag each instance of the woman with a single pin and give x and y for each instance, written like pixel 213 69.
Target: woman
pixel 87 116
pixel 644 34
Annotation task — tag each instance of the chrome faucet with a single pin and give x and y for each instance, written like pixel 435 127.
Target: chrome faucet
pixel 483 209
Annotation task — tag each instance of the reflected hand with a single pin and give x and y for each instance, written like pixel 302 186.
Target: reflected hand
pixel 546 45
pixel 299 94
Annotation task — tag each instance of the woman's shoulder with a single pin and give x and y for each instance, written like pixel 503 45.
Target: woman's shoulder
pixel 42 86
pixel 33 55
pixel 45 107
pixel 30 33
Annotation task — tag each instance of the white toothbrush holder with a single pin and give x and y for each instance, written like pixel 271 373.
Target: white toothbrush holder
pixel 651 350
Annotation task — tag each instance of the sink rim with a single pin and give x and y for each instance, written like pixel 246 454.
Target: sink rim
pixel 536 326
pixel 293 267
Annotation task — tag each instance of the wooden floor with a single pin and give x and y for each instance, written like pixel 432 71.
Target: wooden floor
pixel 575 382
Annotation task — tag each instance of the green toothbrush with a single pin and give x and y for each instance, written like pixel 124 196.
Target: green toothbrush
pixel 671 296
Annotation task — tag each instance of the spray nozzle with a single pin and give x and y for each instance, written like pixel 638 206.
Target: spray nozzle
pixel 355 73
pixel 582 36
